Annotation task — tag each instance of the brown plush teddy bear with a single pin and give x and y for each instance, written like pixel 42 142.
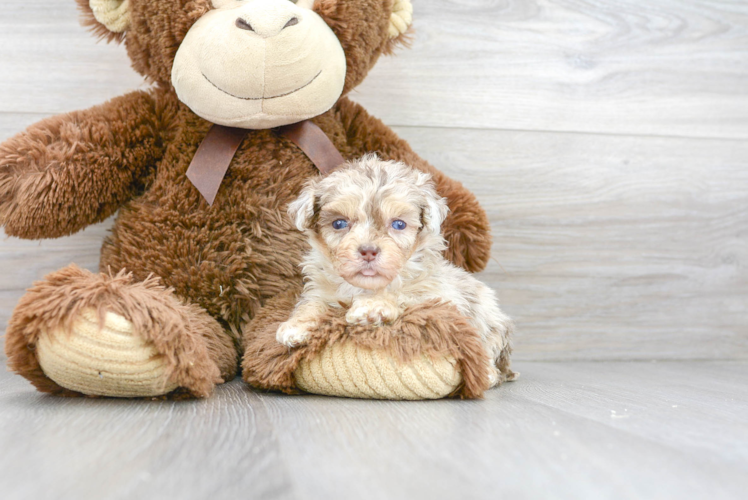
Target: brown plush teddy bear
pixel 190 262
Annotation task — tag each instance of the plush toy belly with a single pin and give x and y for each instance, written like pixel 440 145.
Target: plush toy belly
pixel 430 352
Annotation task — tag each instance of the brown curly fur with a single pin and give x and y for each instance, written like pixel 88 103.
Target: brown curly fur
pixel 132 153
pixel 433 329
pixel 70 171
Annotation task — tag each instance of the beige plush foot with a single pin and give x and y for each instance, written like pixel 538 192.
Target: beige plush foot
pixel 343 369
pixel 106 360
pixel 78 332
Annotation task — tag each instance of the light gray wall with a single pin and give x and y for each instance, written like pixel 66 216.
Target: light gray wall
pixel 607 140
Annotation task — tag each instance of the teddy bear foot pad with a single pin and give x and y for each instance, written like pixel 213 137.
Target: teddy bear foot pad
pixel 105 360
pixel 78 333
pixel 346 370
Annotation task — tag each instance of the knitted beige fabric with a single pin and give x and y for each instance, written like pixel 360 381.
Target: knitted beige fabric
pixel 108 361
pixel 344 369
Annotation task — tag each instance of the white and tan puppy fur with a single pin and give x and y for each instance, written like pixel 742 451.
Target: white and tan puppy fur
pixel 374 229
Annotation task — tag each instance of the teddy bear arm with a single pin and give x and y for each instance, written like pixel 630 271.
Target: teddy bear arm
pixel 76 169
pixel 466 228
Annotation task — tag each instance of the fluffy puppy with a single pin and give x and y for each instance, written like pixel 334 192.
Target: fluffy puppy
pixel 374 229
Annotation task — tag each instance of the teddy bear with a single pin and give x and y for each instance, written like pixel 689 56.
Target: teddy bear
pixel 195 274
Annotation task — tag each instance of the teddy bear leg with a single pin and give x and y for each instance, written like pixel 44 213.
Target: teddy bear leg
pixel 80 333
pixel 266 364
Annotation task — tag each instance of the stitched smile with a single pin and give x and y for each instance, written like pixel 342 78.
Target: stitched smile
pixel 263 98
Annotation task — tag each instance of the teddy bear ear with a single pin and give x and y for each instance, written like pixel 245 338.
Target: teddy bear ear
pixel 110 19
pixel 401 20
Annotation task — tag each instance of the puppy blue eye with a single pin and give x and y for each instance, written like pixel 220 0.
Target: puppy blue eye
pixel 340 224
pixel 398 224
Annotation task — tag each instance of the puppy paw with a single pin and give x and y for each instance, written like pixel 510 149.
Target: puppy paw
pixel 372 313
pixel 494 377
pixel 292 334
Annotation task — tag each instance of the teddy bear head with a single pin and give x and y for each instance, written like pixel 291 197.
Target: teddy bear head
pixel 253 63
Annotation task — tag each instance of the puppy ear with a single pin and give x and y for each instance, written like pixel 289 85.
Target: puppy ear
pixel 435 212
pixel 301 210
pixel 435 209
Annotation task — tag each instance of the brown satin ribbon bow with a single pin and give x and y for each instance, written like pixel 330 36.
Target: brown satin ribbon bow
pixel 213 157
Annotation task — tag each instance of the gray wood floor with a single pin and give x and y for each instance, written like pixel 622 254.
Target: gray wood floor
pixel 564 430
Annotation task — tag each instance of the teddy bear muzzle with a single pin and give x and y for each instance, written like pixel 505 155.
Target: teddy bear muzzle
pixel 259 64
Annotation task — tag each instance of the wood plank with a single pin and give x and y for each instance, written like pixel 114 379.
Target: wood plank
pixel 13 123
pixel 678 431
pixel 664 67
pixel 667 67
pixel 59 448
pixel 685 398
pixel 52 65
pixel 605 247
pixel 519 444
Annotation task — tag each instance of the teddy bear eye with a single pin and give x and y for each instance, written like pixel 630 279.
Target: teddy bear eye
pixel 340 224
pixel 399 225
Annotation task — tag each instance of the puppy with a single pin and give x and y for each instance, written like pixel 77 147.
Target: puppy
pixel 374 229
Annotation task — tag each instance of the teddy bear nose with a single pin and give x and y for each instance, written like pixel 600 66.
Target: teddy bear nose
pixel 368 252
pixel 243 25
pixel 266 29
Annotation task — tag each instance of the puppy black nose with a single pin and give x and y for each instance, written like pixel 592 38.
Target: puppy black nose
pixel 368 252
